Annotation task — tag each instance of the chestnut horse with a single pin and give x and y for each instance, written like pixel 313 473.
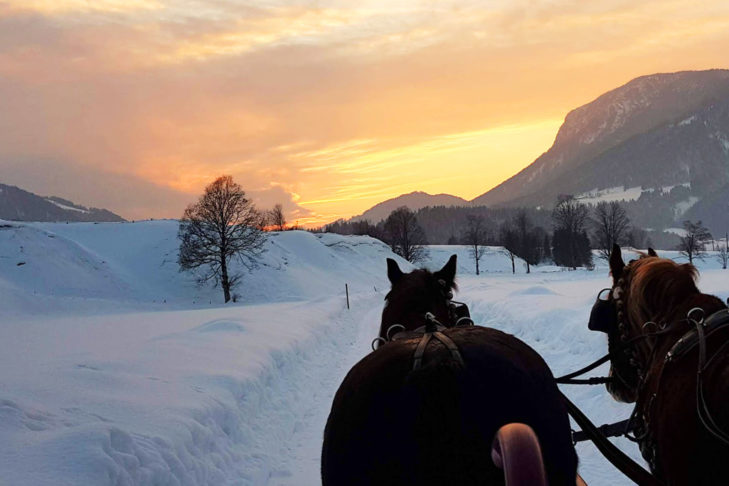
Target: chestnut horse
pixel 395 423
pixel 669 355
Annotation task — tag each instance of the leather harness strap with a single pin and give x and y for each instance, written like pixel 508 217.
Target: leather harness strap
pixel 423 344
pixel 420 350
pixel 717 320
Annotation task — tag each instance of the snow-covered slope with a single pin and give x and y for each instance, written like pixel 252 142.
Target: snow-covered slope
pixel 99 385
pixel 53 267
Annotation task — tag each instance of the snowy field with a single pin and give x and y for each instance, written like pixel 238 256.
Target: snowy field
pixel 116 369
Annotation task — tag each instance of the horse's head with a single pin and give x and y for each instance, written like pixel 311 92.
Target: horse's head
pixel 416 293
pixel 643 294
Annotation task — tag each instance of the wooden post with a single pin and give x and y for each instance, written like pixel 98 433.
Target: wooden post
pixel 346 290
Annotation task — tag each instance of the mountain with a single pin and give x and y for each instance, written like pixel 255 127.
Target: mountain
pixel 19 205
pixel 414 201
pixel 665 137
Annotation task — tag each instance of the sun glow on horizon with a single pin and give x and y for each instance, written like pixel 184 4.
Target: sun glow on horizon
pixel 461 164
pixel 327 109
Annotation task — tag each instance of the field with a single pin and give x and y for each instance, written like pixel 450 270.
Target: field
pixel 117 369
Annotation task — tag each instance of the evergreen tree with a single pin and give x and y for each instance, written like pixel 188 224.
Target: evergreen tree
pixel 570 244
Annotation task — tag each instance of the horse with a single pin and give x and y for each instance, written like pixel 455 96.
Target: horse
pixel 395 420
pixel 668 354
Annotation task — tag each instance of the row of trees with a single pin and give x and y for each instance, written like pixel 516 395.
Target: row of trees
pixel 577 230
pixel 224 225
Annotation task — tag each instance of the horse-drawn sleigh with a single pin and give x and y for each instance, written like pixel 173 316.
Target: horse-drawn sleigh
pixel 446 402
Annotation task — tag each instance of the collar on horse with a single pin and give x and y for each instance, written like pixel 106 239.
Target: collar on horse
pixel 432 329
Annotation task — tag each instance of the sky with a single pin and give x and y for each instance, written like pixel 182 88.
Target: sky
pixel 325 107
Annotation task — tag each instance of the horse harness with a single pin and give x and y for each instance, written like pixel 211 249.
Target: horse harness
pixel 696 337
pixel 458 313
pixel 608 314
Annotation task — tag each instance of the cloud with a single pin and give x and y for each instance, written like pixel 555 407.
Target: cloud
pixel 342 103
pixel 128 196
pixel 266 199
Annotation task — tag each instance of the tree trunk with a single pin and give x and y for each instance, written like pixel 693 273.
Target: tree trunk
pixel 477 266
pixel 527 267
pixel 224 279
pixel 513 267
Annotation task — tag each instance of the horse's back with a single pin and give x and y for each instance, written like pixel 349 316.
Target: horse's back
pixel 391 424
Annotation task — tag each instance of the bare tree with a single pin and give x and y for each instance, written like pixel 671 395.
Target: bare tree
pixel 723 257
pixel 723 253
pixel 692 243
pixel 510 241
pixel 405 236
pixel 527 246
pixel 276 218
pixel 475 237
pixel 611 227
pixel 223 224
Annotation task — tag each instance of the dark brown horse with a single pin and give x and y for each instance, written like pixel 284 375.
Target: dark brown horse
pixel 391 424
pixel 681 413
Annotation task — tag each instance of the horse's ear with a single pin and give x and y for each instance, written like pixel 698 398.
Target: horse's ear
pixel 616 262
pixel 448 272
pixel 652 252
pixel 393 271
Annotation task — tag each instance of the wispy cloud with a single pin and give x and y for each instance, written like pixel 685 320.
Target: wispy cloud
pixel 341 103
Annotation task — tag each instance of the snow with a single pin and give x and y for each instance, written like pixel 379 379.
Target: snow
pixel 618 193
pixel 116 369
pixel 676 231
pixel 683 206
pixel 687 121
pixel 668 189
pixel 64 206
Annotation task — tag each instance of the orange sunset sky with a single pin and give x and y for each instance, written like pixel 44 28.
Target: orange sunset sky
pixel 327 107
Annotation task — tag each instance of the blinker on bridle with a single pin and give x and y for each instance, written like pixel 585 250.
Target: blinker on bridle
pixel 604 315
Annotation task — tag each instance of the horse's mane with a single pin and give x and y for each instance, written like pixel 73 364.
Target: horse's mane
pixel 656 286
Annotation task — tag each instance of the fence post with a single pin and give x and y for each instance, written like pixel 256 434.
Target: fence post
pixel 346 290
